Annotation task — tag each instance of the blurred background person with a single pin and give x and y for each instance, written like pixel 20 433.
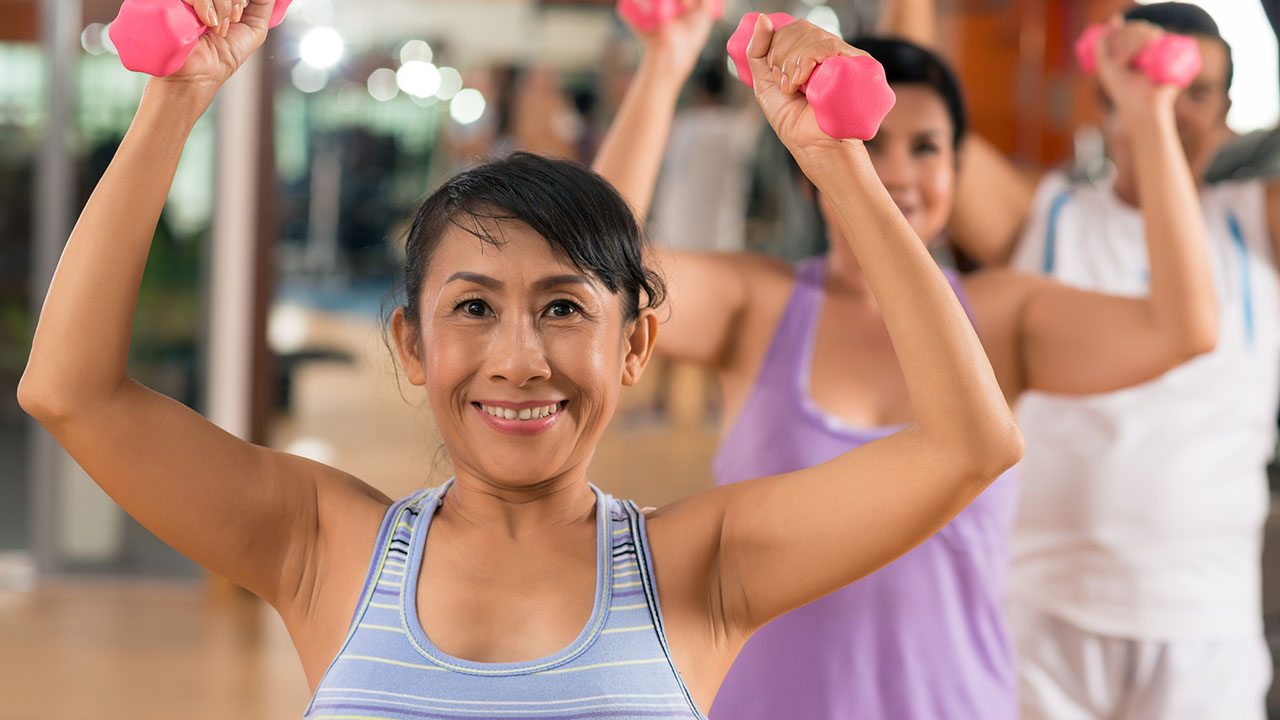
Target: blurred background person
pixel 1136 587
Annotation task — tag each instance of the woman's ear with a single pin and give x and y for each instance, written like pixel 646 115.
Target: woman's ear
pixel 408 346
pixel 642 335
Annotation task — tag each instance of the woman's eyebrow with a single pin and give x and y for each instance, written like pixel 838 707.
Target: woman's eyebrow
pixel 477 278
pixel 547 283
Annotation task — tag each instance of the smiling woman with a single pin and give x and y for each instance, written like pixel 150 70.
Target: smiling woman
pixel 517 588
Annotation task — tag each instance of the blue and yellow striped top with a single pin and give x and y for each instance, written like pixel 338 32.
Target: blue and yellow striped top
pixel 618 667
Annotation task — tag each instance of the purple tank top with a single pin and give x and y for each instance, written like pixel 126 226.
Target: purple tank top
pixel 923 638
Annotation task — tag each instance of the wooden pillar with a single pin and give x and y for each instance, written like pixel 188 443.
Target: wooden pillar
pixel 237 378
pixel 1015 59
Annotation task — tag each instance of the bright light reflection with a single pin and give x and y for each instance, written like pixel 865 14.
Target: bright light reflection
pixel 321 47
pixel 467 106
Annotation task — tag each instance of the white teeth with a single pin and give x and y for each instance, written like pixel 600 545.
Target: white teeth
pixel 535 413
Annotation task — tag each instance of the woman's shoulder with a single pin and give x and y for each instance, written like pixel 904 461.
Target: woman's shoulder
pixel 769 278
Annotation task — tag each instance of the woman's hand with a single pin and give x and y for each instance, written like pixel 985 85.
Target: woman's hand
pixel 1135 97
pixel 781 62
pixel 678 42
pixel 237 28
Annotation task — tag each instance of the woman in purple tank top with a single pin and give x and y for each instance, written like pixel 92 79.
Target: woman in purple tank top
pixel 516 590
pixel 807 371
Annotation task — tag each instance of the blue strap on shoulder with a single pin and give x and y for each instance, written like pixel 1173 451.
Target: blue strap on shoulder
pixel 1051 232
pixel 1242 252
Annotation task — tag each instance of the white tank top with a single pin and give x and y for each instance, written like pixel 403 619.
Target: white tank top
pixel 1142 509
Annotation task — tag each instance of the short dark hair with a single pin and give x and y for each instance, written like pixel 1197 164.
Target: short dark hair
pixel 906 63
pixel 1184 19
pixel 581 216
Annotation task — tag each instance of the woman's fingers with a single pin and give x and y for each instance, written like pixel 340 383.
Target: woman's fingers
pixel 205 10
pixel 807 58
pixel 224 10
pixel 798 48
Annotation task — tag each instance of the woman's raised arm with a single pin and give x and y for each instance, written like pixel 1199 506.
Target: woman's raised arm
pixel 251 514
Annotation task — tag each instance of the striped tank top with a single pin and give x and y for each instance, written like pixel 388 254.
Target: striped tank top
pixel 618 667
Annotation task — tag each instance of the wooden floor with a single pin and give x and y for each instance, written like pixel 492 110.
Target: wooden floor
pixel 102 651
pixel 93 652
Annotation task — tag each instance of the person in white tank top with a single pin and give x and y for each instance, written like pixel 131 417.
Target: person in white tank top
pixel 1135 590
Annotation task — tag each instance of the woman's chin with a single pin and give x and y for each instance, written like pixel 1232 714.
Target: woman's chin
pixel 516 469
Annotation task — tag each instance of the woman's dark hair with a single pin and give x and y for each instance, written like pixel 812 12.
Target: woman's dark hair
pixel 580 214
pixel 906 63
pixel 1184 19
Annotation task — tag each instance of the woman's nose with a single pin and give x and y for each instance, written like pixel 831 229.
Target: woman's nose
pixel 518 355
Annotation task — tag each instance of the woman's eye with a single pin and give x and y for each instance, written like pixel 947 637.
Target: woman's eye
pixel 476 308
pixel 562 308
pixel 926 149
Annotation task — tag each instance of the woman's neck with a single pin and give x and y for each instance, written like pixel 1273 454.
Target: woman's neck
pixel 844 274
pixel 518 511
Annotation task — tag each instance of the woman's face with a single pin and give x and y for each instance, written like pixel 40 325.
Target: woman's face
pixel 915 158
pixel 522 355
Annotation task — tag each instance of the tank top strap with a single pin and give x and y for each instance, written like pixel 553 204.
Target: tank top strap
pixel 391 557
pixel 789 349
pixel 400 560
pixel 635 531
pixel 387 566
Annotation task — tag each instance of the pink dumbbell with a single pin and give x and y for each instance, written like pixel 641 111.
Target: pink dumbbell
pixel 649 15
pixel 157 36
pixel 849 95
pixel 1170 60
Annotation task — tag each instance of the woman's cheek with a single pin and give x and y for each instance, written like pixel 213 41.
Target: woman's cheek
pixel 939 191
pixel 589 361
pixel 450 356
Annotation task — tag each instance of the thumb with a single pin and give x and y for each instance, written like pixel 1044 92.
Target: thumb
pixel 758 52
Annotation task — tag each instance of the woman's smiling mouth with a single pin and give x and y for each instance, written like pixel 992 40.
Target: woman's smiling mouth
pixel 524 418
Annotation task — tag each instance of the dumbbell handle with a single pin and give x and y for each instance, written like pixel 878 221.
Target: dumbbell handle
pixel 649 15
pixel 1171 59
pixel 849 95
pixel 156 36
